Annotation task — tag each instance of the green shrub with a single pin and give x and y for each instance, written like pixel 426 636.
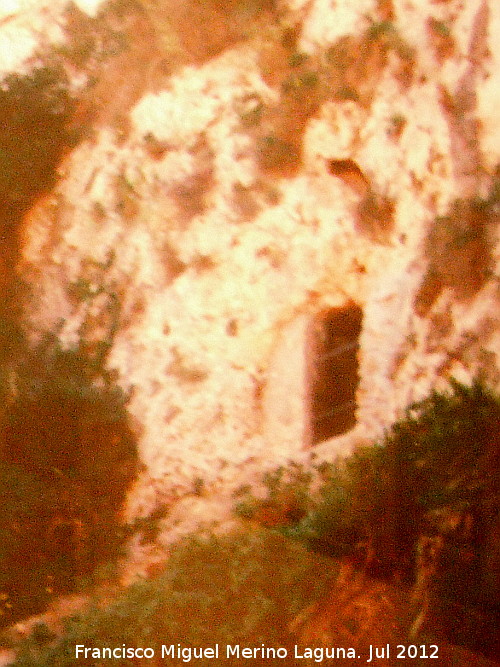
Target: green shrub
pixel 288 497
pixel 387 33
pixel 67 457
pixel 35 110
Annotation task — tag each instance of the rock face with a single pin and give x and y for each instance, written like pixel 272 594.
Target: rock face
pixel 292 206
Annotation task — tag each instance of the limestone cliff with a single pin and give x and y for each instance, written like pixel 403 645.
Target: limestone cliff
pixel 281 216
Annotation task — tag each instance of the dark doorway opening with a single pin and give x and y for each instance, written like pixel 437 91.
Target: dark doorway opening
pixel 332 350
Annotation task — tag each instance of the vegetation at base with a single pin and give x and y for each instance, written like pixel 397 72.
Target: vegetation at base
pixel 435 476
pixel 67 457
pixel 242 588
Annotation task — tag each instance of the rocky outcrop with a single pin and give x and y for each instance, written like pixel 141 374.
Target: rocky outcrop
pixel 231 184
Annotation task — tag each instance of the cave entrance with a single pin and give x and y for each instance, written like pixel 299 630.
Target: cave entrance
pixel 332 372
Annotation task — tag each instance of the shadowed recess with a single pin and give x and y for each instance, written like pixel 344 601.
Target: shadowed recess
pixel 333 372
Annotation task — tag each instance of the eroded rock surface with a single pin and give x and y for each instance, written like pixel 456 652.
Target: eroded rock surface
pixel 234 171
